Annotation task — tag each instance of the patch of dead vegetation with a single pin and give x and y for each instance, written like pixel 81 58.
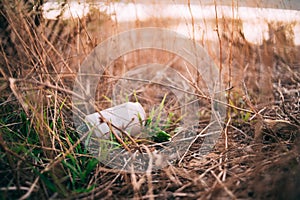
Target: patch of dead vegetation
pixel 239 167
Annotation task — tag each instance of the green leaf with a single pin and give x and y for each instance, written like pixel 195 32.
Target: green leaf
pixel 247 116
pixel 162 136
pixel 161 107
pixel 92 163
pixel 148 122
pixel 49 184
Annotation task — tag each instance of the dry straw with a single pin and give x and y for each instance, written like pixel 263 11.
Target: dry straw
pixel 42 155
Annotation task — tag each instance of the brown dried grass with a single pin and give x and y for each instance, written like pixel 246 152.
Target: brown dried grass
pixel 40 63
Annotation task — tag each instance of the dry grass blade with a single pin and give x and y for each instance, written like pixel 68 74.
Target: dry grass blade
pixel 225 188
